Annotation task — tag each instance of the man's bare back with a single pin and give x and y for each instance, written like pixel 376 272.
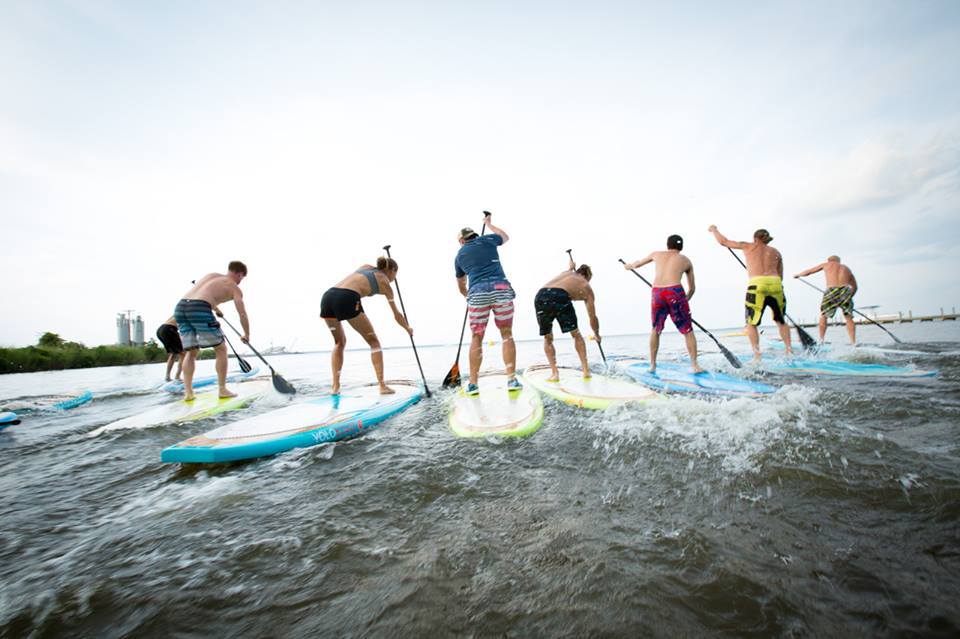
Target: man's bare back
pixel 573 283
pixel 837 274
pixel 671 265
pixel 761 258
pixel 214 289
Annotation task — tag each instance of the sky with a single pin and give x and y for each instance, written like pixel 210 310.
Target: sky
pixel 143 145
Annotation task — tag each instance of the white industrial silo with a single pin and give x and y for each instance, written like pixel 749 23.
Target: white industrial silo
pixel 138 332
pixel 123 330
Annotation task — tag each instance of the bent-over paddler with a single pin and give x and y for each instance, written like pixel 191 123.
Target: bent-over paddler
pixel 554 301
pixel 199 328
pixel 341 303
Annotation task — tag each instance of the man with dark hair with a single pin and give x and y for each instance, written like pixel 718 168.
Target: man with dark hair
pixel 488 291
pixel 764 287
pixel 555 302
pixel 668 297
pixel 841 287
pixel 198 327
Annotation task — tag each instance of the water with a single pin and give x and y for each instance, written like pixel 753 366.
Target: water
pixel 829 509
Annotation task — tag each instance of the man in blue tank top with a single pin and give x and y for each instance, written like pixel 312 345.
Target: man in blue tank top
pixel 489 291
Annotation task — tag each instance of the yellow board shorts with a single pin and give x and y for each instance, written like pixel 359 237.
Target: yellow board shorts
pixel 764 291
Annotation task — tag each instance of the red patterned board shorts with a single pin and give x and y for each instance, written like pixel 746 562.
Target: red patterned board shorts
pixel 487 297
pixel 672 301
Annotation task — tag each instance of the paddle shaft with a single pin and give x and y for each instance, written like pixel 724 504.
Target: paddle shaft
pixel 805 337
pixel 249 345
pixel 895 338
pixel 733 359
pixel 412 343
pixel 244 366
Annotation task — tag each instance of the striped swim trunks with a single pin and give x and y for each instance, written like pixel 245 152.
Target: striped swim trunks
pixel 837 297
pixel 485 297
pixel 198 327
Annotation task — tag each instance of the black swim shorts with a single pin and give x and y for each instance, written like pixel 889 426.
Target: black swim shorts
pixel 169 336
pixel 554 304
pixel 340 304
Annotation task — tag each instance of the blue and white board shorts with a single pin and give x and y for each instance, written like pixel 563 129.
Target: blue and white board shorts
pixel 198 327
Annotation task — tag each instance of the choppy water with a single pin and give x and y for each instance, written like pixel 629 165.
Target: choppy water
pixel 829 509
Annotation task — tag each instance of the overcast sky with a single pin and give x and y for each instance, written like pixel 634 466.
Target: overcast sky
pixel 145 144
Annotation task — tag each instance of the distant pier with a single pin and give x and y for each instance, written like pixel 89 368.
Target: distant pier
pixel 899 318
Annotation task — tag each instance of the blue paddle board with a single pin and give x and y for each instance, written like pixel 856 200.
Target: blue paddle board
pixel 175 386
pixel 73 402
pixel 677 378
pixel 8 419
pixel 841 368
pixel 315 421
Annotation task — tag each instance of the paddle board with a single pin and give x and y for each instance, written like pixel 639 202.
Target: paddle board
pixel 73 402
pixel 203 405
pixel 598 392
pixel 495 411
pixel 8 419
pixel 327 418
pixel 176 386
pixel 841 368
pixel 677 378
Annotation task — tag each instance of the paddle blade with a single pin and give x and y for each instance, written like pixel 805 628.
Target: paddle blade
pixel 244 364
pixel 453 377
pixel 805 338
pixel 733 359
pixel 282 385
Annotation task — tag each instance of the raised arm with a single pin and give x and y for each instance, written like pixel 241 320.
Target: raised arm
pixel 592 312
pixel 242 312
pixel 632 265
pixel 811 270
pixel 571 265
pixel 723 241
pixel 495 229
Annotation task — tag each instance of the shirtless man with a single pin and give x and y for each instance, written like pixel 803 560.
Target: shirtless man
pixel 555 302
pixel 341 303
pixel 764 287
pixel 841 287
pixel 198 327
pixel 669 298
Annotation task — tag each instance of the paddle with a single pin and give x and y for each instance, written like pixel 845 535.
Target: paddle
pixel 734 361
pixel 404 310
pixel 570 255
pixel 805 338
pixel 244 365
pixel 279 383
pixel 895 338
pixel 453 377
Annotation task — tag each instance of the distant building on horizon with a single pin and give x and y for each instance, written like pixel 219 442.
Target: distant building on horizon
pixel 123 330
pixel 138 332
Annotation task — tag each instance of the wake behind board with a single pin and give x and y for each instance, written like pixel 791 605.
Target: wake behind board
pixel 176 386
pixel 315 421
pixel 203 405
pixel 678 378
pixel 841 368
pixel 495 411
pixel 598 392
pixel 8 419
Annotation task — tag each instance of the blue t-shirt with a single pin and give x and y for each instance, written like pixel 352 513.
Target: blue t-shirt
pixel 479 260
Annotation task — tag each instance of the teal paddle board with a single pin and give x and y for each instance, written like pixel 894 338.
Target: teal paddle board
pixel 678 378
pixel 8 419
pixel 841 368
pixel 327 418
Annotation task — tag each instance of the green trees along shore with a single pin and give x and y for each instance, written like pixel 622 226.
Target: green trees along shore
pixel 53 353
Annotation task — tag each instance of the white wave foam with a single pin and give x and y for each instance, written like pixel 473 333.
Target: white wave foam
pixel 734 431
